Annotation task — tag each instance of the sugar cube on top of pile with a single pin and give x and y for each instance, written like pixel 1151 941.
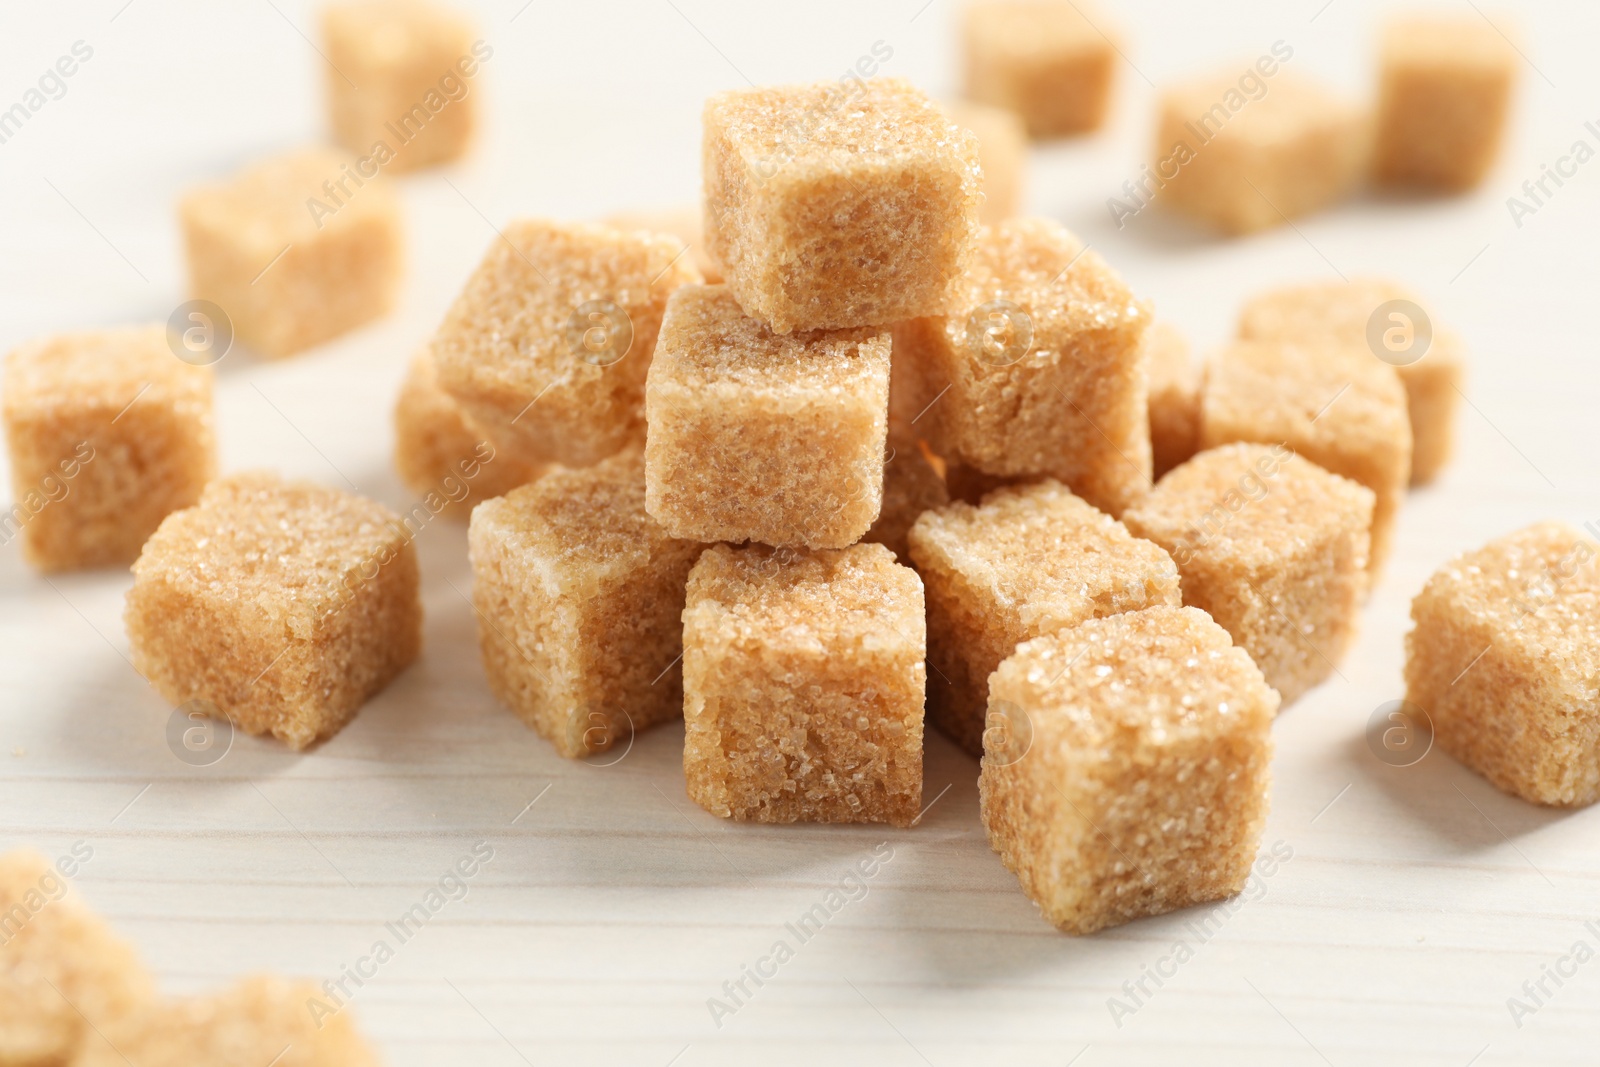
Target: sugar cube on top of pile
pixel 400 80
pixel 579 595
pixel 1503 660
pixel 1028 560
pixel 548 345
pixel 1389 321
pixel 837 204
pixel 1036 369
pixel 1444 98
pixel 1246 152
pixel 1330 403
pixel 1128 769
pixel 762 436
pixel 1053 62
pixel 281 606
pixel 64 975
pixel 296 250
pixel 108 433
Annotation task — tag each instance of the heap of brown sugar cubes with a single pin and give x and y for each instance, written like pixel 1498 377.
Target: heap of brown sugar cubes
pixel 737 508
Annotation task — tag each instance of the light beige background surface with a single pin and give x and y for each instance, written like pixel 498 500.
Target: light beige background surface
pixel 1417 900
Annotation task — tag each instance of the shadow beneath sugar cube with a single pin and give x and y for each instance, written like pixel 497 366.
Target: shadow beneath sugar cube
pixel 1449 800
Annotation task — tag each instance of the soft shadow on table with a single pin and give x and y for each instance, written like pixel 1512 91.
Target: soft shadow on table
pixel 1449 801
pixel 1153 226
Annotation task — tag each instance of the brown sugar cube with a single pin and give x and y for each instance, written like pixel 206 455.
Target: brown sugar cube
pixel 63 973
pixel 1274 548
pixel 1126 773
pixel 108 433
pixel 1037 369
pixel 837 204
pixel 563 316
pixel 441 455
pixel 400 80
pixel 803 683
pixel 1027 561
pixel 1503 659
pixel 1246 159
pixel 1002 153
pixel 1331 404
pixel 1051 61
pixel 296 250
pixel 1389 320
pixel 759 436
pixel 684 224
pixel 911 486
pixel 259 1020
pixel 281 606
pixel 580 600
pixel 1174 397
pixel 1444 98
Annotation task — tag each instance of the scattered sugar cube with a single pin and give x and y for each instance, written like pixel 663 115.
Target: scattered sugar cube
pixel 441 454
pixel 911 486
pixel 1444 98
pixel 296 250
pixel 108 432
pixel 1002 153
pixel 1249 162
pixel 580 601
pixel 1274 548
pixel 837 204
pixel 1503 660
pixel 1174 397
pixel 803 682
pixel 1332 404
pixel 401 80
pixel 261 1020
pixel 281 605
pixel 1053 62
pixel 1037 369
pixel 1140 786
pixel 754 435
pixel 63 973
pixel 1373 312
pixel 684 224
pixel 548 345
pixel 1028 560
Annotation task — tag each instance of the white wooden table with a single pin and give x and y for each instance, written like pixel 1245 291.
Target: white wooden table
pixel 1416 902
